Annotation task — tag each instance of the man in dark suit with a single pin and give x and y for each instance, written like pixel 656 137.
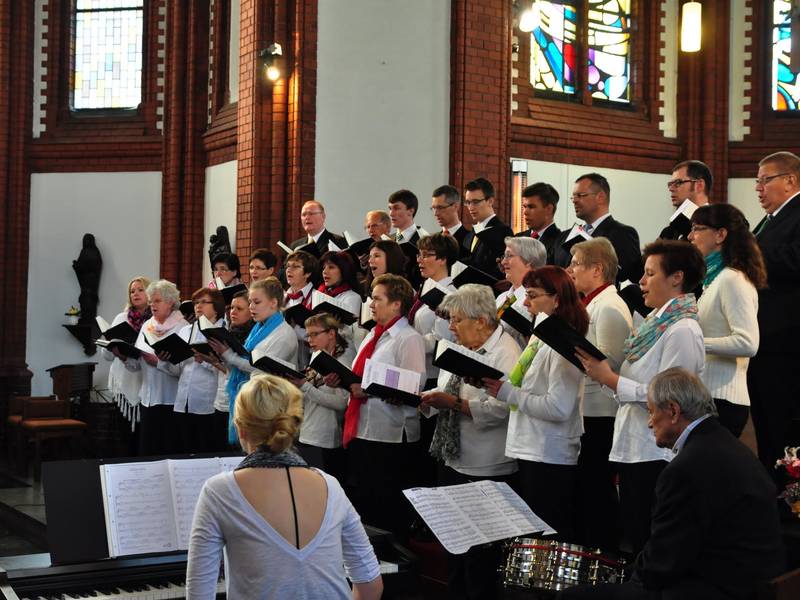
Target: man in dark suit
pixel 312 218
pixel 771 376
pixel 486 243
pixel 446 208
pixel 715 529
pixel 403 207
pixel 691 180
pixel 591 196
pixel 539 203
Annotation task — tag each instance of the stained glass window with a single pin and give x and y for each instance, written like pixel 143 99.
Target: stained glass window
pixel 785 82
pixel 107 54
pixel 560 37
pixel 553 50
pixel 609 49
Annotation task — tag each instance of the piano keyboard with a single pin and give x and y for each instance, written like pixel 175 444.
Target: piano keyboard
pixel 165 591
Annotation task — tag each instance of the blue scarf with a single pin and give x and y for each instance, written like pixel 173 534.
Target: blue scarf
pixel 714 266
pixel 236 379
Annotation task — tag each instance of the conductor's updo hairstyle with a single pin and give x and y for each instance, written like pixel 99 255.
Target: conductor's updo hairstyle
pixel 270 410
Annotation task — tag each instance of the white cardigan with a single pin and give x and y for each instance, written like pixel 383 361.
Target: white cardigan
pixel 610 324
pixel 728 312
pixel 545 424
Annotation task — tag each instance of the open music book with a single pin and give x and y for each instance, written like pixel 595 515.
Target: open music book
pixel 470 514
pixel 127 350
pixel 323 363
pixel 209 330
pixel 557 333
pixel 178 349
pixel 462 361
pixel 121 331
pixel 274 365
pixel 463 274
pixel 366 321
pixel 148 506
pixel 324 303
pixel 391 382
pixel 518 318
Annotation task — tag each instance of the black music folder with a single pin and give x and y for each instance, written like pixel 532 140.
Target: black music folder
pixel 360 248
pixel 470 274
pixel 187 310
pixel 323 303
pixel 556 333
pixel 226 337
pixel 518 321
pixel 323 363
pixel 121 331
pixel 229 292
pixel 126 349
pixel 389 393
pixel 278 367
pixel 632 294
pixel 433 296
pixel 178 349
pixel 462 361
pixel 297 314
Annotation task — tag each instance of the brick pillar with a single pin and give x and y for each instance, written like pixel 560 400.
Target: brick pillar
pixel 703 97
pixel 185 121
pixel 16 73
pixel 480 106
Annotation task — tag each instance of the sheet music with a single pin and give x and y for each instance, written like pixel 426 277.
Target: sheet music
pixel 686 209
pixel 102 324
pixel 138 519
pixel 576 231
pixel 318 298
pixel 285 248
pixel 394 377
pixel 187 478
pixel 462 516
pixel 229 463
pixel 457 268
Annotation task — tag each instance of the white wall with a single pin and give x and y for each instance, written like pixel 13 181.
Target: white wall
pixel 123 211
pixel 383 105
pixel 220 207
pixel 637 199
pixel 742 194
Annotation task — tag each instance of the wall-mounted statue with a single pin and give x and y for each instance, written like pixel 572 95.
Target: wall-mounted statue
pixel 88 268
pixel 217 243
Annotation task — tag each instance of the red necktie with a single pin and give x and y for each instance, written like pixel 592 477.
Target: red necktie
pixel 445 231
pixel 535 235
pixel 354 406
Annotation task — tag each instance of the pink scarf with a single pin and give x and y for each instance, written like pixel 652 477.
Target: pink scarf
pixel 157 330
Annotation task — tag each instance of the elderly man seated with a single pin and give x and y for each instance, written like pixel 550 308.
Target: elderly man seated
pixel 715 531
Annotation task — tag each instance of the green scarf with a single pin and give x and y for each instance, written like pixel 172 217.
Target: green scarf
pixel 714 266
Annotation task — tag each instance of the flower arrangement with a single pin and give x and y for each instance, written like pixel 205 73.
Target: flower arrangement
pixel 791 462
pixel 72 315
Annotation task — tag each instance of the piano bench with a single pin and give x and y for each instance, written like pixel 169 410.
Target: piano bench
pixel 39 430
pixel 14 434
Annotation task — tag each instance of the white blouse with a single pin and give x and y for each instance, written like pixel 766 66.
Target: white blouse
pixel 433 328
pixel 483 437
pixel 681 345
pixel 121 381
pixel 380 421
pixel 545 424
pixel 158 388
pixel 323 411
pixel 728 311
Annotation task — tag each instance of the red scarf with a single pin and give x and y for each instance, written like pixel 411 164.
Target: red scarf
pixel 354 406
pixel 333 291
pixel 297 295
pixel 414 308
pixel 589 297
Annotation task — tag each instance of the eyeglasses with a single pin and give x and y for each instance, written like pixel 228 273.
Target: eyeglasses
pixel 507 256
pixel 579 195
pixel 531 296
pixel 440 207
pixel 457 320
pixel 424 255
pixel 765 179
pixel 474 202
pixel 313 334
pixel 310 213
pixel 257 268
pixel 696 228
pixel 676 182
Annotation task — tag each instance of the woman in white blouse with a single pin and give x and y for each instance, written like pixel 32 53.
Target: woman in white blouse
pixel 382 435
pixel 522 254
pixel 270 335
pixel 728 307
pixel 323 406
pixel 157 394
pixel 544 393
pixel 125 384
pixel 471 429
pixel 339 280
pixel 197 380
pixel 300 268
pixel 594 269
pixel 670 336
pixel 288 531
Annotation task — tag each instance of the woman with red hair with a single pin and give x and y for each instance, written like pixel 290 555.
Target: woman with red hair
pixel 544 393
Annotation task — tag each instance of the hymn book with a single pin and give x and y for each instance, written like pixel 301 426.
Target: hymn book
pixel 274 365
pixel 470 514
pixel 366 321
pixel 148 506
pixel 518 318
pixel 324 303
pixel 358 248
pixel 432 294
pixel 324 364
pixel 556 333
pixel 127 350
pixel 121 331
pixel 391 383
pixel 462 361
pixel 297 314
pixel 575 235
pixel 209 330
pixel 463 274
pixel 177 348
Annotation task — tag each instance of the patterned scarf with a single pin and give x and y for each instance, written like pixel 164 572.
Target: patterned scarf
pixel 236 378
pixel 157 330
pixel 136 318
pixel 714 266
pixel 653 327
pixel 264 458
pixel 524 363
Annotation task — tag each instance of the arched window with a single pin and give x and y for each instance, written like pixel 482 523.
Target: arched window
pixel 784 81
pixel 107 40
pixel 582 45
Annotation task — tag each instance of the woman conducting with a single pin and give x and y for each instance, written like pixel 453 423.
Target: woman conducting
pixel 728 307
pixel 670 336
pixel 288 530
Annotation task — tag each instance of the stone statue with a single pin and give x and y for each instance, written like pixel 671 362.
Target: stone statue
pixel 218 242
pixel 88 268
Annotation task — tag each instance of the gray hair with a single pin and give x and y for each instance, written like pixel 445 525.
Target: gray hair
pixel 167 290
pixel 473 301
pixel 383 217
pixel 531 251
pixel 685 389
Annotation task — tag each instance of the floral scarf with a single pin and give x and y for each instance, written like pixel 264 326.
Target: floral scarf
pixel 136 318
pixel 653 327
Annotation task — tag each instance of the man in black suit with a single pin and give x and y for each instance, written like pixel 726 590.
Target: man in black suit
pixel 312 218
pixel 446 209
pixel 486 243
pixel 591 196
pixel 772 374
pixel 715 529
pixel 539 203
pixel 403 207
pixel 691 180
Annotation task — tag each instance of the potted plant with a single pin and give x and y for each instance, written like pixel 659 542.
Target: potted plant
pixel 72 315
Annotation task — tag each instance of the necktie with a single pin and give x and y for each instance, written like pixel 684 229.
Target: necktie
pixel 523 364
pixel 310 240
pixel 474 241
pixel 506 305
pixel 762 225
pixel 535 235
pixel 588 228
pixel 398 237
pixel 445 231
